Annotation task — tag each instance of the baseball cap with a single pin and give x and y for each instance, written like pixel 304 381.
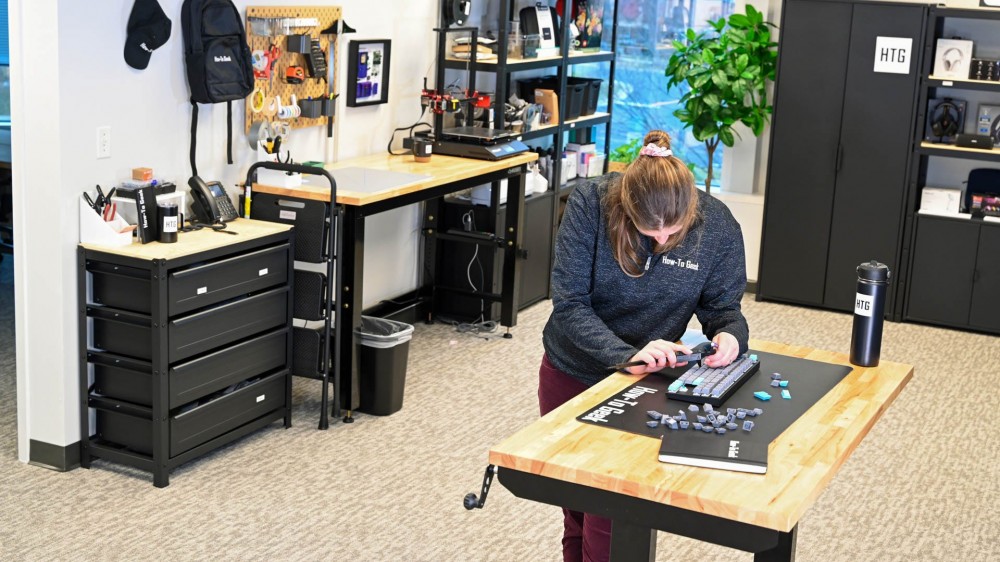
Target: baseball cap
pixel 148 29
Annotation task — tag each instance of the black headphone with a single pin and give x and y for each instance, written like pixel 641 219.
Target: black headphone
pixel 944 119
pixel 456 11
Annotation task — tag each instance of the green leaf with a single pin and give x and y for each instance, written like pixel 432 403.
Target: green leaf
pixel 720 79
pixel 739 20
pixel 726 136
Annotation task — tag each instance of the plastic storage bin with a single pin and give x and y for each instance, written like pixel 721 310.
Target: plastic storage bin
pixel 385 346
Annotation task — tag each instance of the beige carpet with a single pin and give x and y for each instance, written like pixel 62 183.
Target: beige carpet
pixel 922 486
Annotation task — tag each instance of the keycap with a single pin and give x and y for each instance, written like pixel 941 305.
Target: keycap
pixel 786 395
pixel 761 395
pixel 748 425
pixel 653 423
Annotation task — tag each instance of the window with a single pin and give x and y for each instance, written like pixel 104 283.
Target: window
pixel 646 30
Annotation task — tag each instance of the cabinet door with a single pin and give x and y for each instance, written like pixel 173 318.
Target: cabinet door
pixel 804 138
pixel 537 243
pixel 944 258
pixel 985 313
pixel 875 146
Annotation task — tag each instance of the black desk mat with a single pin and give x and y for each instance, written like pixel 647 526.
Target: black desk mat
pixel 808 381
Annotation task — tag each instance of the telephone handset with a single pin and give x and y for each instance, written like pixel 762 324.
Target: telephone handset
pixel 210 202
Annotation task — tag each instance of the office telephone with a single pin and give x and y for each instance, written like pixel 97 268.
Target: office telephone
pixel 209 202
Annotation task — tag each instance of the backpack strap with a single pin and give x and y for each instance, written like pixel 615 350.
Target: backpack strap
pixel 194 135
pixel 229 131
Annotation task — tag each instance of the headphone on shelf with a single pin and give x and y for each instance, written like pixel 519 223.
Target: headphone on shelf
pixel 944 119
pixel 952 59
pixel 456 11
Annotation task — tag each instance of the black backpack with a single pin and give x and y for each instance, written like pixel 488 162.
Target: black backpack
pixel 218 61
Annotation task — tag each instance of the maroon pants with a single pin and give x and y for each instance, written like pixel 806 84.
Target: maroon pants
pixel 586 538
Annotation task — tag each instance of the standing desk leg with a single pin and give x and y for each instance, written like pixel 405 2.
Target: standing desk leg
pixel 353 265
pixel 511 284
pixel 784 551
pixel 632 543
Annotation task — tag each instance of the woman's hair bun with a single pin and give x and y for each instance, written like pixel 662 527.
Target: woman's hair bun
pixel 657 137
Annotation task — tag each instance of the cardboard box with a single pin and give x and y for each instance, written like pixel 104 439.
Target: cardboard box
pixel 940 200
pixel 549 101
pixel 988 122
pixel 142 174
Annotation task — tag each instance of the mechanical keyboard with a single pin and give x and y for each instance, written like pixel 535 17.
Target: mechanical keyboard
pixel 705 385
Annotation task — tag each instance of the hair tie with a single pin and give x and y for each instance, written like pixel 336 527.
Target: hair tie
pixel 655 150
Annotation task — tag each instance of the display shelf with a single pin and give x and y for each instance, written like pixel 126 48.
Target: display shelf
pixel 983 85
pixel 952 151
pixel 954 297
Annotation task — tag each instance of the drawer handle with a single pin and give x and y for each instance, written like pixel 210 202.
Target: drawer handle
pixel 261 398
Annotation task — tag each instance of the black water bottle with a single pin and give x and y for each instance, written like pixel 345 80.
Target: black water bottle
pixel 869 311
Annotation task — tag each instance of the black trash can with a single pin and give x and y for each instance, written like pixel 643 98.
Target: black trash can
pixel 385 346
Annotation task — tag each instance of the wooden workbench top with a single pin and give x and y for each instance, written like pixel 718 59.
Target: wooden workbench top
pixel 193 242
pixel 801 461
pixel 441 170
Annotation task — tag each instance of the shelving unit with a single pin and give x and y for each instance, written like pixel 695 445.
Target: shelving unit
pixel 952 271
pixel 183 347
pixel 556 134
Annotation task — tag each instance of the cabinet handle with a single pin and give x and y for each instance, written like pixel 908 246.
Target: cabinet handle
pixel 840 157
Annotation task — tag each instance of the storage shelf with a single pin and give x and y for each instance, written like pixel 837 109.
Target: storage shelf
pixel 967 13
pixel 965 84
pixel 952 151
pixel 515 65
pixel 578 123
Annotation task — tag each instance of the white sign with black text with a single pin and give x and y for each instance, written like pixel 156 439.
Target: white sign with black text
pixel 892 54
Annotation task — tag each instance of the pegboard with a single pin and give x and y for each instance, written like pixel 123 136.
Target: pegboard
pixel 276 86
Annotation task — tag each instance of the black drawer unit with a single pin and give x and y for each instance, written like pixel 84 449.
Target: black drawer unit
pixel 184 347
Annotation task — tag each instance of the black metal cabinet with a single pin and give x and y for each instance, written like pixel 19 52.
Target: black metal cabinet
pixel 955 273
pixel 840 149
pixel 183 347
pixel 466 268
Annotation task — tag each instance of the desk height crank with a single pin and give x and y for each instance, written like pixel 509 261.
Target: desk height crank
pixel 471 501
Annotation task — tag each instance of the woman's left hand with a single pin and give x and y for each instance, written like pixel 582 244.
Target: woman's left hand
pixel 728 349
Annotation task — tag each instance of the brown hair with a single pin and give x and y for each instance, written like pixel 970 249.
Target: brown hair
pixel 654 192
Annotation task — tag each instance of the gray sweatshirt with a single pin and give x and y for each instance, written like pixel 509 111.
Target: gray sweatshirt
pixel 601 316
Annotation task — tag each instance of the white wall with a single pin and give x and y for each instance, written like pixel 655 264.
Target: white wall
pixel 70 77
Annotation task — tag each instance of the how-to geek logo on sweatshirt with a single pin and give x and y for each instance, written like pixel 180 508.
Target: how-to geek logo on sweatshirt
pixel 687 264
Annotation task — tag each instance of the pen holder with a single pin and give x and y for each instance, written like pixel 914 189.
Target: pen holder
pixel 311 109
pixel 94 230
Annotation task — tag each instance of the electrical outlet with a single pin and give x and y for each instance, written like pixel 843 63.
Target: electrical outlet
pixel 104 142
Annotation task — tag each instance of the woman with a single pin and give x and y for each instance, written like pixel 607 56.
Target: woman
pixel 637 255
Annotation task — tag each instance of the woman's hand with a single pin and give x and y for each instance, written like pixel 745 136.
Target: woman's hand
pixel 659 354
pixel 728 349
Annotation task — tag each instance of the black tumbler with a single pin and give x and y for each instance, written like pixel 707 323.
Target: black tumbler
pixel 168 222
pixel 869 311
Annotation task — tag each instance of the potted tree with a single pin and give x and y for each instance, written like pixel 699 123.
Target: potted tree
pixel 725 70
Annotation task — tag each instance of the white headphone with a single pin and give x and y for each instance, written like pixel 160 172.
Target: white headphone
pixel 952 58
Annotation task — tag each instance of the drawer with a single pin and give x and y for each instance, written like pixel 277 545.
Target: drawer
pixel 120 286
pixel 224 324
pixel 196 426
pixel 129 380
pixel 213 282
pixel 122 378
pixel 121 332
pixel 208 421
pixel 199 377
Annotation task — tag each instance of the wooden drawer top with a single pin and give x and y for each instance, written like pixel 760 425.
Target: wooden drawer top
pixel 189 243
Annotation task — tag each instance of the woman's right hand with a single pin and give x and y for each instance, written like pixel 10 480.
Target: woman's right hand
pixel 658 354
